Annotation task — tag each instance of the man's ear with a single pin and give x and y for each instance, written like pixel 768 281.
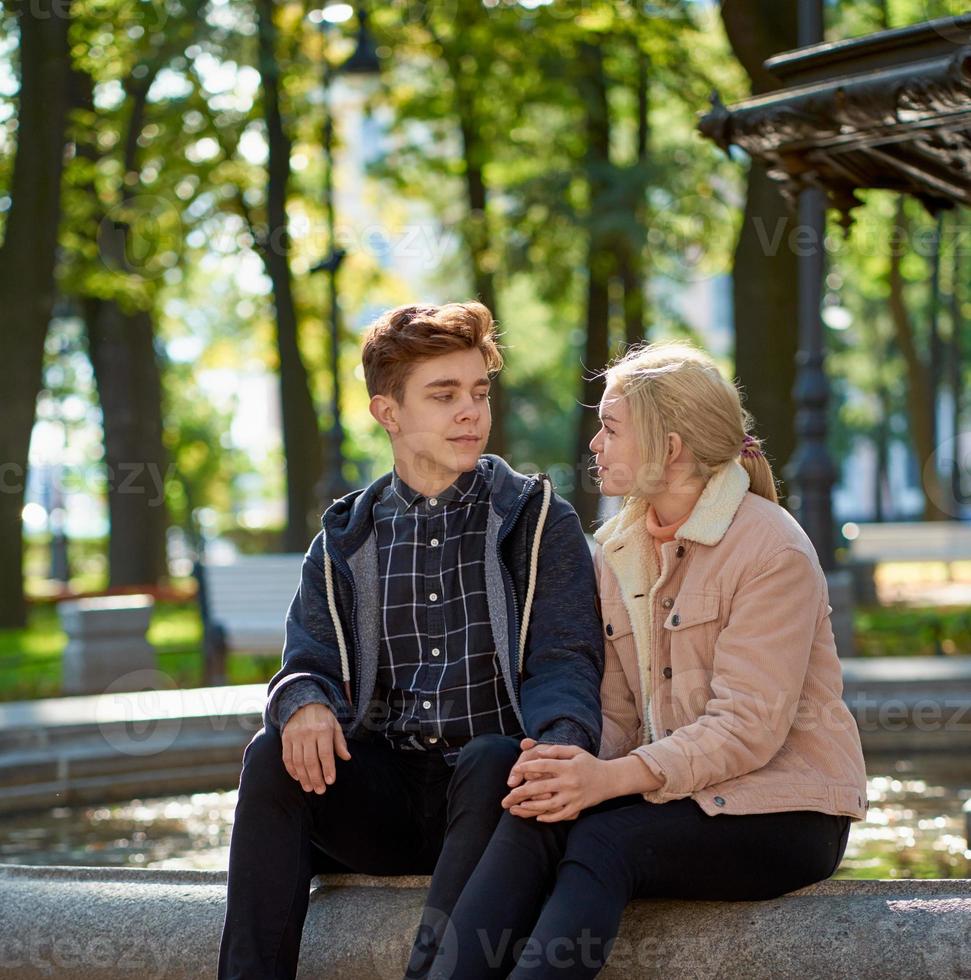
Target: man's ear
pixel 385 412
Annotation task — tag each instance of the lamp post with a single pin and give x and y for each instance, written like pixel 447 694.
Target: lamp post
pixel 362 62
pixel 811 469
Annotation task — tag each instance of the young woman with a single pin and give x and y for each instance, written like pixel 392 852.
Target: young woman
pixel 730 767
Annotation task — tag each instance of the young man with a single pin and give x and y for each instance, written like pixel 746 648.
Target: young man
pixel 445 614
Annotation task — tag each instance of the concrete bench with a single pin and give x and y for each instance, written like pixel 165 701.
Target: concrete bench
pixel 103 924
pixel 106 643
pixel 244 606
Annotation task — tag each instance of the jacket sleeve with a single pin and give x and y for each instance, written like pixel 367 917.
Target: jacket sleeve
pixel 311 668
pixel 564 656
pixel 760 663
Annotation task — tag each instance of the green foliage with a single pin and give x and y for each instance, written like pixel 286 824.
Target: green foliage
pixel 170 148
pixel 902 631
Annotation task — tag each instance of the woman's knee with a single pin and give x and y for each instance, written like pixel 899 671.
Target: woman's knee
pixel 597 845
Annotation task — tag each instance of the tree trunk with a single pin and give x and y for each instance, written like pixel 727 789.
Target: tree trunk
pixel 919 414
pixel 632 272
pixel 27 259
pixel 593 86
pixel 882 440
pixel 478 244
pixel 122 350
pixel 765 275
pixel 301 434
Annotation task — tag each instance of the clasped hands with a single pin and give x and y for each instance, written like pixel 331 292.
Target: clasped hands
pixel 555 782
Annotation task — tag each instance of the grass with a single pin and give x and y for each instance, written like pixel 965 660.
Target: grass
pixel 905 631
pixel 30 659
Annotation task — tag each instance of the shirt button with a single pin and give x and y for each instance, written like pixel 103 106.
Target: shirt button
pixel 434 501
pixel 433 597
pixel 667 672
pixel 668 602
pixel 610 630
pixel 434 542
pixel 435 651
pixel 680 551
pixel 719 801
pixel 675 619
pixel 432 739
pixel 426 704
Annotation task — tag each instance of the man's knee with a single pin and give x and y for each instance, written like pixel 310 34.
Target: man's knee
pixel 263 766
pixel 487 758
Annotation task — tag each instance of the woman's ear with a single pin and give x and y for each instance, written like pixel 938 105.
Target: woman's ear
pixel 385 412
pixel 675 445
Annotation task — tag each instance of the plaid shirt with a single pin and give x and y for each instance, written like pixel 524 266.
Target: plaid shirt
pixel 438 672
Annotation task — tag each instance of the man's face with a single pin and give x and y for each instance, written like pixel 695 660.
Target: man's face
pixel 441 426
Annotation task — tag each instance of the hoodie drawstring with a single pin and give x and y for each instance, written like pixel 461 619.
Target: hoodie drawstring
pixel 534 569
pixel 335 619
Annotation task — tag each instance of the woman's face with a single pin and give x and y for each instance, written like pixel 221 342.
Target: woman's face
pixel 617 450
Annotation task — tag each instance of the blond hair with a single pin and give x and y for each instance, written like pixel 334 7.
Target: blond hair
pixel 674 386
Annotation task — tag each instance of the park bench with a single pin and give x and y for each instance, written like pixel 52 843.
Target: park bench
pixel 903 541
pixel 244 606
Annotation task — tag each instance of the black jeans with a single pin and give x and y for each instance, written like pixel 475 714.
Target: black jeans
pixel 587 870
pixel 387 813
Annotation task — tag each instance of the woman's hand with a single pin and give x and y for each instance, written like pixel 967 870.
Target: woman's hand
pixel 560 781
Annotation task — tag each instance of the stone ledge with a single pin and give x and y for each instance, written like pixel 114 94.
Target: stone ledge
pixel 102 924
pixel 113 746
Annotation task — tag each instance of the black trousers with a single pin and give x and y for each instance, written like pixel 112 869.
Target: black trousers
pixel 546 900
pixel 387 813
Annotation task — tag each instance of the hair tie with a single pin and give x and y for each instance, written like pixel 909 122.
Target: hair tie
pixel 750 448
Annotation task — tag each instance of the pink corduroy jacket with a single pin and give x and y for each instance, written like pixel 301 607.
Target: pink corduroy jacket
pixel 728 653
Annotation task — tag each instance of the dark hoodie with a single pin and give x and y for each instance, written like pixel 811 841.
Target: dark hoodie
pixel 555 692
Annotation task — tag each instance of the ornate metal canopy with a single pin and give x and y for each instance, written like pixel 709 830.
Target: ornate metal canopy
pixel 889 110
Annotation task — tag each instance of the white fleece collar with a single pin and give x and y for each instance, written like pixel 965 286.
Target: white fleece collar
pixel 709 520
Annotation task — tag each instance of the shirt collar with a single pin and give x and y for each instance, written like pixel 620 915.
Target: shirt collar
pixel 463 491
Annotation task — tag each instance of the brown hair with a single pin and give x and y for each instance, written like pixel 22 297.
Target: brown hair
pixel 676 387
pixel 402 337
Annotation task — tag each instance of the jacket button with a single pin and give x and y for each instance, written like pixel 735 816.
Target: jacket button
pixel 668 602
pixel 610 630
pixel 680 551
pixel 667 672
pixel 667 731
pixel 719 801
pixel 675 620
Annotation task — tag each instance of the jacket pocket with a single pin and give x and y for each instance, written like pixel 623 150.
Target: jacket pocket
pixel 692 609
pixel 616 622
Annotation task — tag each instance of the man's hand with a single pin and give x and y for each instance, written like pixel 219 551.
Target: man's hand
pixel 311 738
pixel 530 750
pixel 560 782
